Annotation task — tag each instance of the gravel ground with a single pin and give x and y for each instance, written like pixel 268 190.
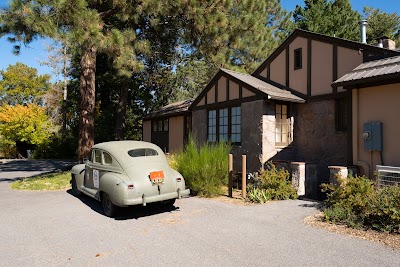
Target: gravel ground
pixel 58 229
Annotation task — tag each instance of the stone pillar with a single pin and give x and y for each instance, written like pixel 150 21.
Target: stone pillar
pixel 299 177
pixel 312 187
pixel 337 171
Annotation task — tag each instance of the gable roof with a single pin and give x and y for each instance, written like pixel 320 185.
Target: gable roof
pixel 371 73
pixel 254 84
pixel 268 89
pixel 326 39
pixel 173 109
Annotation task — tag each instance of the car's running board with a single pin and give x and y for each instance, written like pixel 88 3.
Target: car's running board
pixel 90 192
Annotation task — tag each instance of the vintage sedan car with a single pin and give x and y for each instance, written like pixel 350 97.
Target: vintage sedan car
pixel 125 173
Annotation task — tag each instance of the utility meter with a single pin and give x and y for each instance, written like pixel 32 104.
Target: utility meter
pixel 372 135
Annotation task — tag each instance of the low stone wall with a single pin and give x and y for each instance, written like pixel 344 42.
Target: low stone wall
pixel 341 171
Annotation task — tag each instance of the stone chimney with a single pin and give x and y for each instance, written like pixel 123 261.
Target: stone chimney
pixel 389 44
pixel 385 42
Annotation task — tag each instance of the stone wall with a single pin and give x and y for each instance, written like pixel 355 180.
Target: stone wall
pixel 251 145
pixel 199 125
pixel 316 139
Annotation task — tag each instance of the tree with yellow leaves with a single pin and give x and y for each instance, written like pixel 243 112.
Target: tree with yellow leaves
pixel 23 123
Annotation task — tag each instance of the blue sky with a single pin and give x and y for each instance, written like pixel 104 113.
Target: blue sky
pixel 35 52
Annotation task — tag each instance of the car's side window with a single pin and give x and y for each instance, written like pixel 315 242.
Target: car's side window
pixel 91 156
pixel 107 158
pixel 97 156
pixel 142 152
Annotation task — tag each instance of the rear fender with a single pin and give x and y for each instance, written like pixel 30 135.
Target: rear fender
pixel 115 187
pixel 181 185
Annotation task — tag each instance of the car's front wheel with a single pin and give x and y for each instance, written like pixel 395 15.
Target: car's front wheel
pixel 109 208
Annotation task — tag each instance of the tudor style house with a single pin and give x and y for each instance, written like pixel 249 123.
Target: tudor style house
pixel 289 109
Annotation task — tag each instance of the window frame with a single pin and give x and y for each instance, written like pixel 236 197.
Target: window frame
pixel 298 59
pixel 160 125
pixel 288 124
pixel 218 125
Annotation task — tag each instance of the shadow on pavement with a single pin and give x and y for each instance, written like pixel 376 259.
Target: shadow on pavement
pixel 18 169
pixel 127 213
pixel 312 203
pixel 35 165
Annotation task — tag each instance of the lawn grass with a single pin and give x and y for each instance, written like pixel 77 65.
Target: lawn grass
pixel 52 181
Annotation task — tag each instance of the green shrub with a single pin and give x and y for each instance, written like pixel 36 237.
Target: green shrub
pixel 272 184
pixel 356 203
pixel 57 147
pixel 206 169
pixel 386 213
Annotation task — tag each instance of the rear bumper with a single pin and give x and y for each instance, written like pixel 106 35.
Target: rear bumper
pixel 150 199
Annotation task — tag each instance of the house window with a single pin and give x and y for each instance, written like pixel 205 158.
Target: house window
pixel 283 132
pixel 341 114
pixel 236 125
pixel 223 125
pixel 298 64
pixel 212 125
pixel 160 125
pixel 226 126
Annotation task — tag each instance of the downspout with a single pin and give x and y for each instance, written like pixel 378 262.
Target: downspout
pixel 365 167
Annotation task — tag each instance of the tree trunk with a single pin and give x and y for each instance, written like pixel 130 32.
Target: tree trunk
pixel 64 103
pixel 87 107
pixel 121 111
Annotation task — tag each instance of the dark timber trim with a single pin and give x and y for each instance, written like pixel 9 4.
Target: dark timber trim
pixel 230 103
pixel 325 39
pixel 240 91
pixel 350 129
pixel 371 81
pixel 309 58
pixel 326 97
pixel 268 71
pixel 216 91
pixel 335 66
pixel 296 93
pixel 287 66
pixel 227 89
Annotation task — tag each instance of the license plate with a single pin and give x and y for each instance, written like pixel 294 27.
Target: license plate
pixel 157 177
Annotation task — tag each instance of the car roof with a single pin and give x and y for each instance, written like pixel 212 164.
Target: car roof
pixel 119 149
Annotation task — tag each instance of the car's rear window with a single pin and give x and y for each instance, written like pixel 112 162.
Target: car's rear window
pixel 142 152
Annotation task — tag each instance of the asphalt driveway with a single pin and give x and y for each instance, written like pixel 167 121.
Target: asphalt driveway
pixel 58 229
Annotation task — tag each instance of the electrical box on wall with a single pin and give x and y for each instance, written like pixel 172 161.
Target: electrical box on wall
pixel 373 140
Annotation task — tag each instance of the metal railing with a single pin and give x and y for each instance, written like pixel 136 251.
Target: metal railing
pixel 388 175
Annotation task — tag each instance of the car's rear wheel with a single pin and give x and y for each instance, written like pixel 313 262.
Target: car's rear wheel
pixel 75 190
pixel 109 208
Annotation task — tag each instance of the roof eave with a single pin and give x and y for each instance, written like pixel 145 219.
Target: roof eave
pixel 288 99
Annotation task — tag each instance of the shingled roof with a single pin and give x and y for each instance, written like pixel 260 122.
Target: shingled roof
pixel 268 89
pixel 173 109
pixel 371 73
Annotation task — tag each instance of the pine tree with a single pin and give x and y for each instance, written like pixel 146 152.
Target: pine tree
pixel 84 24
pixel 329 17
pixel 381 24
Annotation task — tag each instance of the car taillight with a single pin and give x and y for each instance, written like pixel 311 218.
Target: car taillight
pixel 179 179
pixel 131 186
